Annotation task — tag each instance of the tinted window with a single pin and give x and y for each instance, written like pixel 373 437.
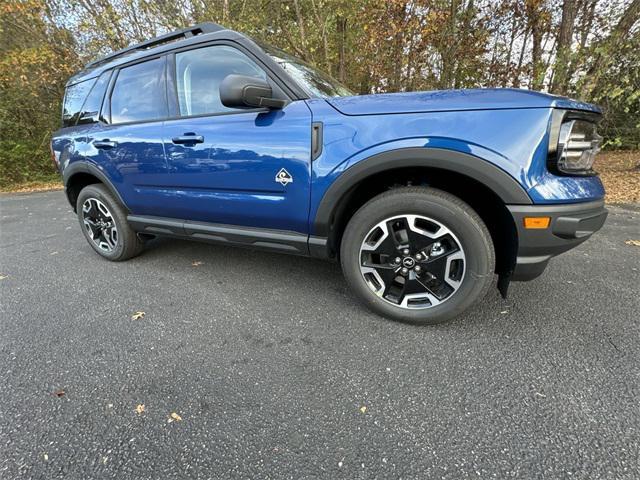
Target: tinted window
pixel 74 97
pixel 139 93
pixel 199 73
pixel 91 108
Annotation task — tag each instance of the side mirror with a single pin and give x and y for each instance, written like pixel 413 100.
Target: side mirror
pixel 241 91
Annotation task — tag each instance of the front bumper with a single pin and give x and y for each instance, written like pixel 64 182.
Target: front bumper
pixel 571 224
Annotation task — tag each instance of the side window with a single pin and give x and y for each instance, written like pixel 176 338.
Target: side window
pixel 74 97
pixel 91 108
pixel 139 93
pixel 199 73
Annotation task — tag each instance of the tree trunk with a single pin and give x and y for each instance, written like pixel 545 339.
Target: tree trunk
pixel 514 34
pixel 562 73
pixel 516 74
pixel 341 28
pixel 535 23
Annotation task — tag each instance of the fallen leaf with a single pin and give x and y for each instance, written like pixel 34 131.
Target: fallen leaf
pixel 140 409
pixel 46 457
pixel 53 253
pixel 2 277
pixel 138 316
pixel 176 417
pixel 363 409
pixel 196 264
pixel 635 243
pixel 504 311
pixel 59 393
pixel 619 172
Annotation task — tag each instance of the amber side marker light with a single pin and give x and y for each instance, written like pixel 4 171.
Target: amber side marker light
pixel 537 222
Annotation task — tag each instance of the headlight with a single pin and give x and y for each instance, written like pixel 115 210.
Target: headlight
pixel 573 142
pixel 578 145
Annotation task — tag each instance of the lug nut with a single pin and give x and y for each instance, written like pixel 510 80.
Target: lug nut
pixel 397 260
pixel 417 268
pixel 405 251
pixel 405 270
pixel 418 257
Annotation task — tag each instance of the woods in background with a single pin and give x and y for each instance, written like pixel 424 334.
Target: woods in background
pixel 586 49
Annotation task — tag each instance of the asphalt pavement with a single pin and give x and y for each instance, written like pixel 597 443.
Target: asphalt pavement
pixel 253 365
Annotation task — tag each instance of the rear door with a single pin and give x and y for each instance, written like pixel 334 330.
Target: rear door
pixel 232 166
pixel 127 142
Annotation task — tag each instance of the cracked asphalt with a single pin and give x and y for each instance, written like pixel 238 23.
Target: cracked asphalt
pixel 276 372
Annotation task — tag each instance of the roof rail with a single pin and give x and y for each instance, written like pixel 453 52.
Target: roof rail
pixel 199 29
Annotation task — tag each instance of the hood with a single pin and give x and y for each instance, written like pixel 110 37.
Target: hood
pixel 453 100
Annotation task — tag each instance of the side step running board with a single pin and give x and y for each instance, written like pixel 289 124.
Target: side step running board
pixel 278 240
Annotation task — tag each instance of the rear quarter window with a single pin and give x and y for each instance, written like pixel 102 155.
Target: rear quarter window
pixel 91 107
pixel 74 98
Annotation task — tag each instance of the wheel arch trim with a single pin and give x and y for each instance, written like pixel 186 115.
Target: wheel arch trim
pixel 88 168
pixel 494 178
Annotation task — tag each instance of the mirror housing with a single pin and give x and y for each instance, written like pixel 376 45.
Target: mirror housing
pixel 242 91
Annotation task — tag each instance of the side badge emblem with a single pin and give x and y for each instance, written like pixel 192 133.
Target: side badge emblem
pixel 283 177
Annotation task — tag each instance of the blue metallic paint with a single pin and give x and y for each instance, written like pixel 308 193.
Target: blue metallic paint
pixel 514 140
pixel 454 100
pixel 230 178
pixel 136 166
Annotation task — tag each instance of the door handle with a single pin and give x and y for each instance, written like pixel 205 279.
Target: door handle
pixel 106 143
pixel 188 138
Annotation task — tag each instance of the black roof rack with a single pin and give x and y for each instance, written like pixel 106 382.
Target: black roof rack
pixel 199 29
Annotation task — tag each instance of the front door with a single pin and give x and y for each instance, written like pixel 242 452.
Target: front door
pixel 232 166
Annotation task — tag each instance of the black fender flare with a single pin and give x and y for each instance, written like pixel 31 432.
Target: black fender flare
pixel 89 168
pixel 496 179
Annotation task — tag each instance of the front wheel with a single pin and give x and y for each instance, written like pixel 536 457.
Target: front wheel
pixel 418 255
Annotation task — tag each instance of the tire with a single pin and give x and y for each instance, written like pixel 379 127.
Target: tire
pixel 95 205
pixel 447 270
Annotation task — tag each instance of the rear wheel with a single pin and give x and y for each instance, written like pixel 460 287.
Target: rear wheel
pixel 104 223
pixel 418 255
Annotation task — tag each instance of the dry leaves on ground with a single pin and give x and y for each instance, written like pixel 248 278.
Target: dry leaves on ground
pixel 29 187
pixel 635 243
pixel 140 409
pixel 620 173
pixel 175 416
pixel 196 264
pixel 138 316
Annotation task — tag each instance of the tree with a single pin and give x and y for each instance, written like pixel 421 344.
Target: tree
pixel 562 73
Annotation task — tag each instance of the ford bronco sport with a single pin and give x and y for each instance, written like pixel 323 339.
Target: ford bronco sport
pixel 422 197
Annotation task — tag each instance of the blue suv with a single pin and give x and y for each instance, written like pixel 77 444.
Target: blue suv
pixel 422 197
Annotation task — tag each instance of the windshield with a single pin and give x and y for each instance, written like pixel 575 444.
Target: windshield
pixel 317 83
